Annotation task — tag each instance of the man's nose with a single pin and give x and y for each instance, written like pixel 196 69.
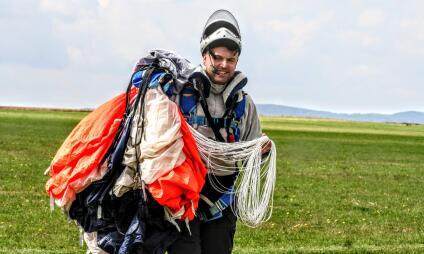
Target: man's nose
pixel 224 63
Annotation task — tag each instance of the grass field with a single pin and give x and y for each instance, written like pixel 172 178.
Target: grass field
pixel 342 187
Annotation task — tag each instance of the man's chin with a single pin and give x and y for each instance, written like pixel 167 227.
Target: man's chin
pixel 220 81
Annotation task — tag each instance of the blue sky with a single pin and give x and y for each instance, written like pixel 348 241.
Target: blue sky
pixel 341 56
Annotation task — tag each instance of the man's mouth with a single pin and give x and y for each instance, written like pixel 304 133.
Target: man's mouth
pixel 221 73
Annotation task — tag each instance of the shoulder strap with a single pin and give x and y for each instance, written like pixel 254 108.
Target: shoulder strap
pixel 198 84
pixel 240 106
pixel 188 100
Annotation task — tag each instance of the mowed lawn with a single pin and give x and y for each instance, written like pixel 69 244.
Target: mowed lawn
pixel 342 187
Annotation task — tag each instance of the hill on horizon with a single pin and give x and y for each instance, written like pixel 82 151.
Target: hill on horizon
pixel 411 117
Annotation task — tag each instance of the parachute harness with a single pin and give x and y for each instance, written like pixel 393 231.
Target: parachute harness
pixel 256 174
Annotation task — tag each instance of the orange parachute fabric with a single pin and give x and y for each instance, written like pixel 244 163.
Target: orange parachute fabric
pixel 180 187
pixel 77 162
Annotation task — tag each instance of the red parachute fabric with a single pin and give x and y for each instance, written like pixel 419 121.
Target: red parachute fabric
pixel 181 186
pixel 77 160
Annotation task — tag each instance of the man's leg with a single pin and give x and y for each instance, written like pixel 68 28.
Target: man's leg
pixel 217 236
pixel 187 243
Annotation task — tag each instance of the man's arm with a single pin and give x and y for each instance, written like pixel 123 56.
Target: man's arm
pixel 251 126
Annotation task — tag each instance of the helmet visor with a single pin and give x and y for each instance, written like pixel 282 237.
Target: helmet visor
pixel 221 18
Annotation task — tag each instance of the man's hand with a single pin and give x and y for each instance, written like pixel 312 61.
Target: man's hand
pixel 267 146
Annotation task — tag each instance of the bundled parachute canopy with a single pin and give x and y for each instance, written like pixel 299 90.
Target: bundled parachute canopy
pixel 77 162
pixel 162 153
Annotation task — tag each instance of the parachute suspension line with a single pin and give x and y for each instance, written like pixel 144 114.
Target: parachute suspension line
pixel 139 120
pixel 256 175
pixel 254 202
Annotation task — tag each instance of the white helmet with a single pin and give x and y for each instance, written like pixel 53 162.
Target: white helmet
pixel 221 29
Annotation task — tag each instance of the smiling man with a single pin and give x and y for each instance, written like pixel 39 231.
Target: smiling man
pixel 219 109
pixel 220 64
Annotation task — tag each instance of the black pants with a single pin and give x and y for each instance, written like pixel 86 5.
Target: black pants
pixel 212 237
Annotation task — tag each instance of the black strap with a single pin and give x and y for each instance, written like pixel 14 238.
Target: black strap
pixel 228 115
pixel 142 93
pixel 199 85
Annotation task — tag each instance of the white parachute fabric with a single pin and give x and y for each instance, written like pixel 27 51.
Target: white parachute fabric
pixel 161 149
pixel 92 246
pixel 155 139
pixel 256 179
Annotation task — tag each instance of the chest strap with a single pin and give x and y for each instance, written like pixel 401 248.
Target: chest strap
pixel 203 121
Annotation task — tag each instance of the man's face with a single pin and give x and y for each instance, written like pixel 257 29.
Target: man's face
pixel 224 61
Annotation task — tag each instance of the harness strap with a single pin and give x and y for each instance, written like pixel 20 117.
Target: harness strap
pixel 202 121
pixel 204 104
pixel 229 117
pixel 207 200
pixel 216 208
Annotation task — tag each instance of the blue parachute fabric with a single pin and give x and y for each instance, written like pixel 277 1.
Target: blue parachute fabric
pixel 156 76
pixel 137 78
pixel 111 242
pixel 118 153
pixel 135 234
pixel 169 88
pixel 147 231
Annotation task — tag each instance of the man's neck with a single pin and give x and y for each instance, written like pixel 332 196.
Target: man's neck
pixel 217 88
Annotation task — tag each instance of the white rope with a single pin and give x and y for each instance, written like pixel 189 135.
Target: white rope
pixel 256 179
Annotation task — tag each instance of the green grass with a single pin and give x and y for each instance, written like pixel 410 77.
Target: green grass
pixel 342 187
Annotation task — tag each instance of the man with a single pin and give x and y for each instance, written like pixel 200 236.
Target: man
pixel 224 113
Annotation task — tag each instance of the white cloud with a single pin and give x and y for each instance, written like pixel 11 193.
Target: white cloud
pixel 411 35
pixel 415 26
pixel 295 33
pixel 53 6
pixel 413 23
pixel 103 3
pixel 363 71
pixel 371 18
pixel 58 7
pixel 364 39
pixel 75 55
